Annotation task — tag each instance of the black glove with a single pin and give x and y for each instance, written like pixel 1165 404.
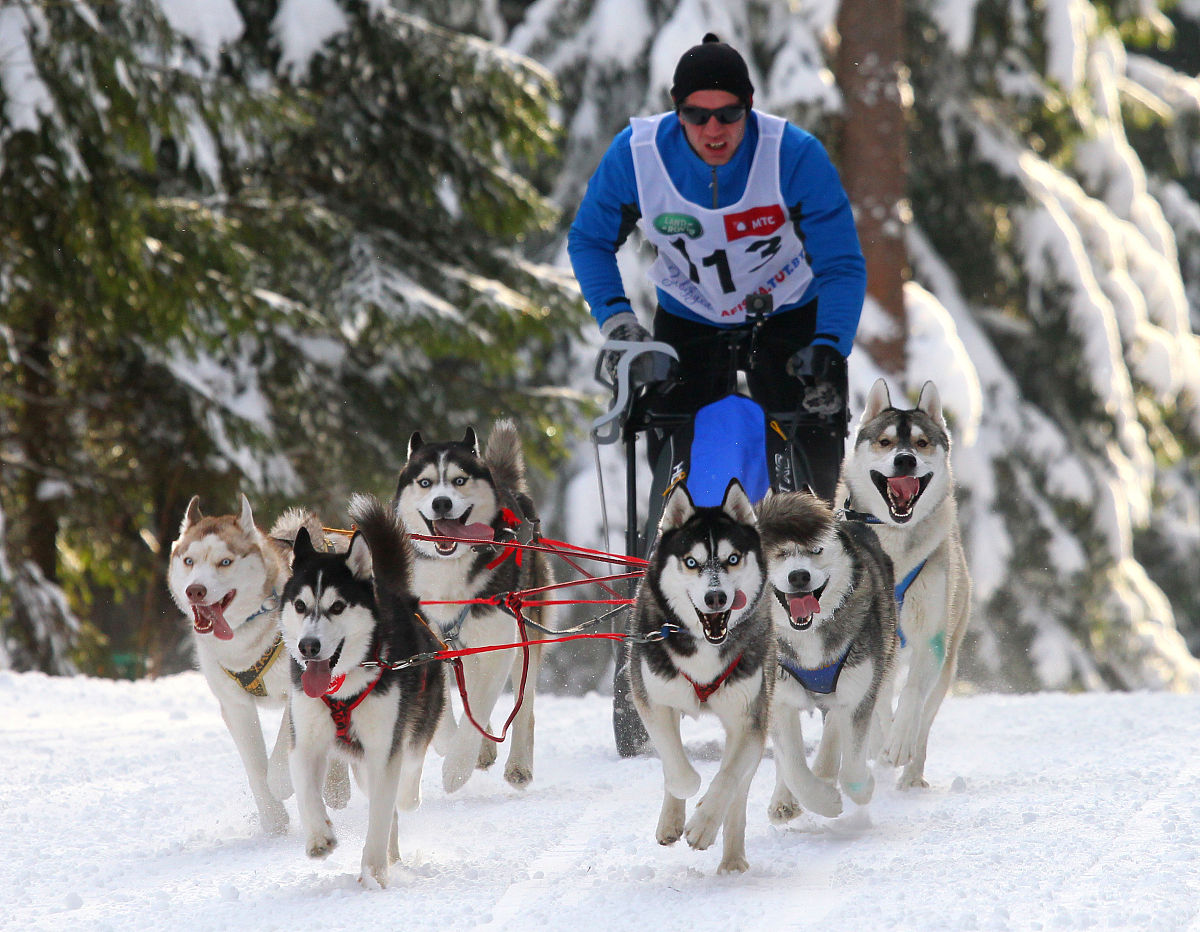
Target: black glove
pixel 822 370
pixel 625 326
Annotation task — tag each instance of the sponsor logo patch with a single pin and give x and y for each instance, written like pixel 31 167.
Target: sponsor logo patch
pixel 757 221
pixel 675 224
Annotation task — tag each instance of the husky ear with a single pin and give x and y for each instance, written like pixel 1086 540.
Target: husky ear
pixel 192 515
pixel 246 518
pixel 470 441
pixel 358 558
pixel 414 443
pixel 678 509
pixel 930 402
pixel 878 400
pixel 736 503
pixel 302 549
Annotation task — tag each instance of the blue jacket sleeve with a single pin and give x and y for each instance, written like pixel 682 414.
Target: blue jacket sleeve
pixel 606 216
pixel 819 205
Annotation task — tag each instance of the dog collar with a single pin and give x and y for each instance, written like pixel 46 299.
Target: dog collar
pixel 270 605
pixel 706 690
pixel 251 680
pixel 865 517
pixel 822 680
pixel 451 632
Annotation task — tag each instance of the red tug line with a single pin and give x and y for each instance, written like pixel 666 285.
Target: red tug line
pixel 513 603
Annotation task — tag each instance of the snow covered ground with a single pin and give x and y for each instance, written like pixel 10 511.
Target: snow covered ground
pixel 126 808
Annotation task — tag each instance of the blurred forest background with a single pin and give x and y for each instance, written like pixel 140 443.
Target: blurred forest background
pixel 250 245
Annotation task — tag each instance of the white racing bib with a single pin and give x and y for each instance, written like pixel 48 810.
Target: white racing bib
pixel 710 260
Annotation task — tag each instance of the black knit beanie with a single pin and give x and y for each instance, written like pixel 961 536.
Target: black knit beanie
pixel 711 66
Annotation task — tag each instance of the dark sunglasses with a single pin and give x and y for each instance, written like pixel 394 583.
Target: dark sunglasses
pixel 699 116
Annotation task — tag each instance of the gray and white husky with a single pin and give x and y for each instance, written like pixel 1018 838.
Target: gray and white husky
pixel 227 576
pixel 346 618
pixel 833 604
pixel 898 477
pixel 478 503
pixel 704 586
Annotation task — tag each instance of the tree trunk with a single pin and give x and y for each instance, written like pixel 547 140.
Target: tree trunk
pixel 873 157
pixel 35 426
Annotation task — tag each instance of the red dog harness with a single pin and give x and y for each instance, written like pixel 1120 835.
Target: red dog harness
pixel 703 692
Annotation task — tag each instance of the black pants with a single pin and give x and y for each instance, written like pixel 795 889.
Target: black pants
pixel 709 361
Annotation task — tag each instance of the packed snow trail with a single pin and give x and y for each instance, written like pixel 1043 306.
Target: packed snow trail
pixel 127 809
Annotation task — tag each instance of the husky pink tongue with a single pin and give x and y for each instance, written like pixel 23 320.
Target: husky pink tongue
pixel 739 600
pixel 316 678
pixel 904 487
pixel 803 606
pixel 212 618
pixel 476 531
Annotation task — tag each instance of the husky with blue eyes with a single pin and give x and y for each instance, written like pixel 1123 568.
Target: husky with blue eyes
pixel 702 643
pixel 832 602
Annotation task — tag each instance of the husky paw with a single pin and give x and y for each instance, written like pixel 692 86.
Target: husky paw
pixel 273 818
pixel 733 864
pixel 901 743
pixel 860 791
pixel 683 785
pixel 670 822
pixel 454 778
pixel 373 877
pixel 336 792
pixel 487 754
pixel 321 843
pixel 518 775
pixel 702 828
pixel 824 799
pixel 783 806
pixel 912 779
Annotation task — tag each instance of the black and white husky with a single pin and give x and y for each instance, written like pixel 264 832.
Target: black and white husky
pixel 450 490
pixel 834 610
pixel 704 587
pixel 898 477
pixel 346 617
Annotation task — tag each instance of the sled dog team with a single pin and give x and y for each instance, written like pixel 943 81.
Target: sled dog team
pixel 755 614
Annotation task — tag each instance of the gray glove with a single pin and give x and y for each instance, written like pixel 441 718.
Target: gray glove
pixel 625 326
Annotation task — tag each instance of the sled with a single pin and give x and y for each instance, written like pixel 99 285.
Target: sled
pixel 728 439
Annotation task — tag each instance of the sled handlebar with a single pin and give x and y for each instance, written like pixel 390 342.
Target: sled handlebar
pixel 607 427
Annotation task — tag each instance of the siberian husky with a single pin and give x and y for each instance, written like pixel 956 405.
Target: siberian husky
pixel 228 576
pixel 346 618
pixel 898 478
pixel 449 490
pixel 704 588
pixel 835 623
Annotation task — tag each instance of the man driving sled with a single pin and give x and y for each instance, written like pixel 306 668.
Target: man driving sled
pixel 737 202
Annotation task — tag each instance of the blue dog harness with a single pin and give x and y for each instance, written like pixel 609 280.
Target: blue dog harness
pixel 822 680
pixel 901 592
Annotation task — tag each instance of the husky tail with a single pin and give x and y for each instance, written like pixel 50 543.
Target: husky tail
pixel 391 549
pixel 504 457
